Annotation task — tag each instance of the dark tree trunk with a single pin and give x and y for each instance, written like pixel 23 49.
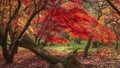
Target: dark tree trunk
pixel 116 34
pixel 5 52
pixel 95 44
pixel 116 47
pixel 87 47
pixel 78 40
pixel 8 55
pixel 12 52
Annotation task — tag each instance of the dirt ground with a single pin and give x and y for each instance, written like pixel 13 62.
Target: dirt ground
pixel 26 59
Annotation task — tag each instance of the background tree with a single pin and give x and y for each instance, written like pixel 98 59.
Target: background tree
pixel 111 18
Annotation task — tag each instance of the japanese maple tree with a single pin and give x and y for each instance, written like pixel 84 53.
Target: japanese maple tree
pixel 76 21
pixel 73 20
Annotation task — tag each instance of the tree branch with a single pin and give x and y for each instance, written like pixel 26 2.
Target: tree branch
pixel 113 6
pixel 29 22
pixel 11 19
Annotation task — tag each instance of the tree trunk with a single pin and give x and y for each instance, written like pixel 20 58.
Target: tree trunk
pixel 116 43
pixel 5 52
pixel 39 51
pixel 78 40
pixel 95 44
pixel 8 56
pixel 12 52
pixel 87 47
pixel 114 29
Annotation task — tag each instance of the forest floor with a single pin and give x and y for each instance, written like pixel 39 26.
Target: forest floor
pixel 26 59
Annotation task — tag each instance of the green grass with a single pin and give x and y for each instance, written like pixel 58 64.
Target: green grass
pixel 68 48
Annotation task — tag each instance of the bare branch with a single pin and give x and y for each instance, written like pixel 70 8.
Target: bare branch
pixel 29 21
pixel 113 6
pixel 11 19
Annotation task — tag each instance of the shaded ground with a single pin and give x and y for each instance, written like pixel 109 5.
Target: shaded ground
pixel 26 59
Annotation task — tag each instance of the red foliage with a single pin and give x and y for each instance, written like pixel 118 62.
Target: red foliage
pixel 118 1
pixel 56 40
pixel 69 18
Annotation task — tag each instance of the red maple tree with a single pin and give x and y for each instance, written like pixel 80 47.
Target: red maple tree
pixel 75 21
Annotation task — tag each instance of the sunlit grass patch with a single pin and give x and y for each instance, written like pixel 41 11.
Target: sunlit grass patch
pixel 69 48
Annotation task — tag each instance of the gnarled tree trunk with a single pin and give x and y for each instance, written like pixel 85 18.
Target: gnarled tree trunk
pixel 30 45
pixel 57 63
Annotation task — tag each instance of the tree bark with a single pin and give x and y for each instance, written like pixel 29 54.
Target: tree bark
pixel 12 52
pixel 39 51
pixel 116 47
pixel 113 6
pixel 87 47
pixel 117 40
pixel 5 52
